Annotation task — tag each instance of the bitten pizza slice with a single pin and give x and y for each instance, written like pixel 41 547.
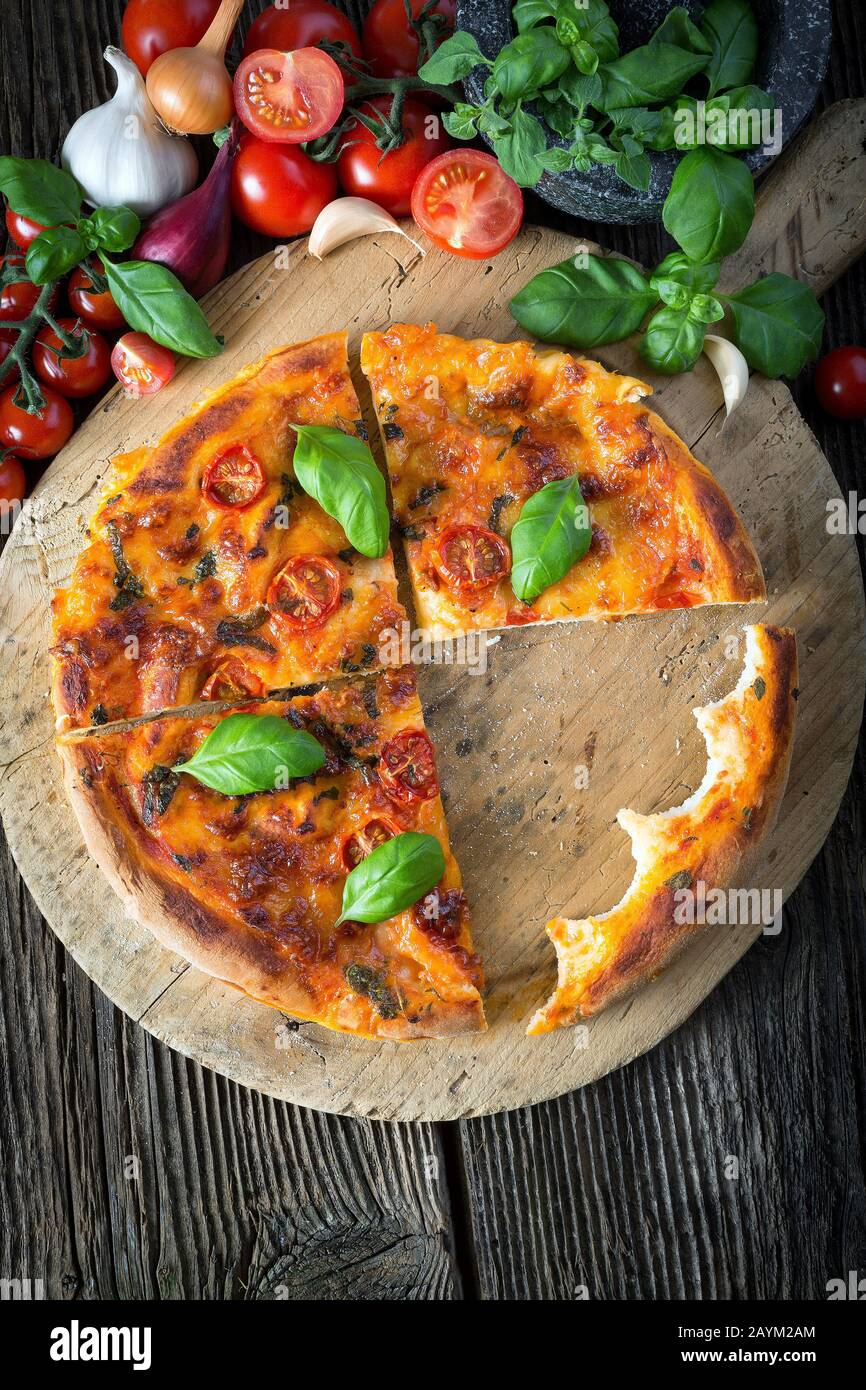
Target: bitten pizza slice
pixel 473 430
pixel 684 856
pixel 249 886
pixel 210 572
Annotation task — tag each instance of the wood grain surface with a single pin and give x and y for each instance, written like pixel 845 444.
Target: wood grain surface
pixel 624 1188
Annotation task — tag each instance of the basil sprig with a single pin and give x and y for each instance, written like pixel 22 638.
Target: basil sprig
pixel 253 753
pixel 339 471
pixel 550 535
pixel 392 877
pixel 731 30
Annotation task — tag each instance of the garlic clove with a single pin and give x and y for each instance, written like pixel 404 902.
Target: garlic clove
pixel 731 368
pixel 346 218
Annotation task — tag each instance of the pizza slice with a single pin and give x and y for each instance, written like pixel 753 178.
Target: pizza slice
pixel 688 858
pixel 209 572
pixel 473 429
pixel 249 887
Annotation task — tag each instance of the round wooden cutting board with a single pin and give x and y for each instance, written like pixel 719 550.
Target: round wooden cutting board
pixel 540 741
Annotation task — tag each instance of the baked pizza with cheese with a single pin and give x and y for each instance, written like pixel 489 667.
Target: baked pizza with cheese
pixel 209 573
pixel 249 887
pixel 473 429
pixel 685 855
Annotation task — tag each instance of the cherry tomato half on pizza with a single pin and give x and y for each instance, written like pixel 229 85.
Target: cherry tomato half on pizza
pixel 305 592
pixel 357 846
pixel 407 768
pixel 234 479
pixel 230 680
pixel 470 558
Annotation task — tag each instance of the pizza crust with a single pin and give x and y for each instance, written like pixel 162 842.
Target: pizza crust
pixel 713 838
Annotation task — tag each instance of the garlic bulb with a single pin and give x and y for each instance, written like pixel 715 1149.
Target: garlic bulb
pixel 731 367
pixel 120 152
pixel 346 218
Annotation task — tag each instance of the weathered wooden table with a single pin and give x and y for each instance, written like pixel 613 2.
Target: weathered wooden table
pixel 127 1171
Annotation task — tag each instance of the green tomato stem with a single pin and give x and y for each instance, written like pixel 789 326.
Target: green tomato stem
pixel 27 330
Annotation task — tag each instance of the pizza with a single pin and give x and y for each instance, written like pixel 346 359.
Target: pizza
pixel 248 888
pixel 473 429
pixel 209 573
pixel 685 855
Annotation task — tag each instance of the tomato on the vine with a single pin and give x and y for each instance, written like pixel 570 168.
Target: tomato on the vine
pixel 72 376
pixel 17 299
pixel 290 97
pixel 35 436
pixel 388 179
pixel 22 229
pixel 8 338
pixel 141 366
pixel 467 204
pixel 151 27
pixel 840 382
pixel 13 480
pixel 302 24
pixel 97 310
pixel 277 189
pixel 391 44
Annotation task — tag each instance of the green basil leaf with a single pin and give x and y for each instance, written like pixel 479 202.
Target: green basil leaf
pixel 587 307
pixel 677 28
pixel 597 27
pixel 453 60
pixel 671 291
pixel 699 278
pixel 705 308
pixel 153 301
pixel 647 75
pixel 557 160
pixel 585 58
pixel 634 168
pixel 248 753
pixel 711 204
pixel 777 324
pixel 39 190
pixel 673 341
pixel 339 471
pixel 581 89
pixel 462 122
pixel 520 148
pixel 654 128
pixel 732 31
pixel 115 229
pixel 53 254
pixel 550 535
pixel 531 61
pixel 735 120
pixel 527 13
pixel 559 114
pixel 392 877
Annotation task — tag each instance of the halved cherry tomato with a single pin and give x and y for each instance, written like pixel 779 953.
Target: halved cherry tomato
pixel 289 97
pixel 35 436
pixel 407 767
pixel 8 337
pixel 467 204
pixel 97 310
pixel 388 179
pixel 356 847
pixel 141 366
pixel 21 229
pixel 234 479
pixel 151 27
pixel 840 382
pixel 301 24
pixel 277 189
pixel 13 481
pixel 391 44
pixel 470 557
pixel 231 679
pixel 305 592
pixel 17 299
pixel 72 376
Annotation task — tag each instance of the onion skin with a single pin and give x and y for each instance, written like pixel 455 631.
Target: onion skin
pixel 191 237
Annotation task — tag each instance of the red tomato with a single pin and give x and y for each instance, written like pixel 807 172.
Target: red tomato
pixel 840 381
pixel 356 847
pixel 21 229
pixel 288 97
pixel 151 27
pixel 301 24
pixel 234 479
pixel 388 180
pixel 231 679
pixel 391 44
pixel 7 341
pixel 35 436
pixel 305 592
pixel 277 189
pixel 471 557
pixel 13 481
pixel 407 767
pixel 97 310
pixel 17 299
pixel 467 204
pixel 72 376
pixel 141 366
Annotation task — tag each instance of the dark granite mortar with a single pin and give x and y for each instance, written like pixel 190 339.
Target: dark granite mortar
pixel 792 60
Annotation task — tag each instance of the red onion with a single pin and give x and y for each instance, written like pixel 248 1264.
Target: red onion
pixel 191 237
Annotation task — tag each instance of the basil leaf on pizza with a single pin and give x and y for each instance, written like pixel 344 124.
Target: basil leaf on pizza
pixel 253 753
pixel 392 877
pixel 550 535
pixel 339 471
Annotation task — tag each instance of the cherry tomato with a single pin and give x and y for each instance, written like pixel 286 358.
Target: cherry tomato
pixel 301 24
pixel 234 479
pixel 21 229
pixel 356 847
pixel 289 97
pixel 17 299
pixel 407 767
pixel 72 376
pixel 840 381
pixel 277 189
pixel 467 204
pixel 231 679
pixel 388 180
pixel 7 342
pixel 471 557
pixel 391 44
pixel 151 27
pixel 141 366
pixel 13 481
pixel 97 310
pixel 305 592
pixel 35 436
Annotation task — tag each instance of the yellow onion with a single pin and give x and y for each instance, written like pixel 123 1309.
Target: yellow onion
pixel 190 87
